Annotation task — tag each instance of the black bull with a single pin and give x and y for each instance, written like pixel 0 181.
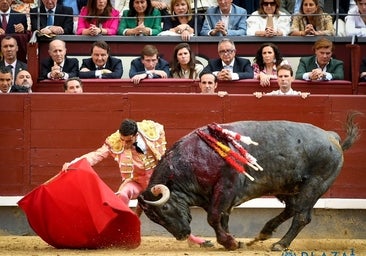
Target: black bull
pixel 300 162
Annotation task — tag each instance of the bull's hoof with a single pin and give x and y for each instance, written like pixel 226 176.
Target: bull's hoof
pixel 278 247
pixel 241 245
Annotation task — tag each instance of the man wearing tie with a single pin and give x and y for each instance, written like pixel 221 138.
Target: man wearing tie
pixel 228 66
pixel 57 65
pixel 11 21
pixel 53 18
pixel 9 50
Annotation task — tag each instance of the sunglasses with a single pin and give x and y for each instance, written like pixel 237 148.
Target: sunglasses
pixel 268 4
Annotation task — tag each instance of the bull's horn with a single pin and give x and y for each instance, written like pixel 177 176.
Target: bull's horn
pixel 157 190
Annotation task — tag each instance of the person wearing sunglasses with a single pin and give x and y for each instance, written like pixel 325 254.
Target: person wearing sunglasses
pixel 229 67
pixel 268 20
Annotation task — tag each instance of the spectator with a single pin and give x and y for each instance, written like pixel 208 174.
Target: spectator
pixel 183 24
pixel 268 21
pixel 11 21
pixel 294 6
pixel 285 79
pixel 184 64
pixel 101 64
pixel 228 66
pixel 226 19
pixel 312 21
pixel 98 18
pixel 54 19
pixel 73 85
pixel 355 20
pixel 6 80
pixel 23 82
pixel 363 71
pixel 265 64
pixel 141 19
pixel 249 5
pixel 208 84
pixel 9 51
pixel 148 65
pixel 58 65
pixel 320 66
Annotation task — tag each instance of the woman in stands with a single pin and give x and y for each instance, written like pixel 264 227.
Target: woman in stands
pixel 184 64
pixel 265 64
pixel 181 23
pixel 312 21
pixel 268 21
pixel 142 19
pixel 98 18
pixel 356 19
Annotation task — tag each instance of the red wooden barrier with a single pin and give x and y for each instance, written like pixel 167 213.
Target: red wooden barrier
pixel 39 132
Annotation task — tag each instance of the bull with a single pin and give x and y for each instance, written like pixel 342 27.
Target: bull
pixel 300 162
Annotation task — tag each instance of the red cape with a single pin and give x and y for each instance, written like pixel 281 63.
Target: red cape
pixel 76 209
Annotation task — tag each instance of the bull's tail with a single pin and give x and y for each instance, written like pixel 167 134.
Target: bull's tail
pixel 352 130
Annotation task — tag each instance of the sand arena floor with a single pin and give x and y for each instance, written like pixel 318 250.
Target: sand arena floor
pixel 168 246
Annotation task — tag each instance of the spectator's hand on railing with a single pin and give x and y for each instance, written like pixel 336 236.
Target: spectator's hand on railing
pixel 58 30
pixel 137 78
pixel 160 73
pixel 264 80
pixel 2 31
pixel 224 74
pixel 19 28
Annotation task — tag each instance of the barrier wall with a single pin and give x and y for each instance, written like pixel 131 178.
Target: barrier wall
pixel 41 131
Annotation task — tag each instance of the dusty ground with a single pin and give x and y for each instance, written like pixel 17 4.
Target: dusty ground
pixel 168 246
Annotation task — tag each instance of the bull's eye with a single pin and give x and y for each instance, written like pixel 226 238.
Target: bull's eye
pixel 165 207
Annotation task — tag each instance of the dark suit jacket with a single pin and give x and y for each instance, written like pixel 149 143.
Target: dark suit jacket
pixel 71 67
pixel 113 64
pixel 137 67
pixel 18 67
pixel 65 21
pixel 363 69
pixel 307 64
pixel 241 66
pixel 18 88
pixel 15 18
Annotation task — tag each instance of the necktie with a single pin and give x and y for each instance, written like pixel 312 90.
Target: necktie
pixel 269 21
pixel 4 22
pixel 50 18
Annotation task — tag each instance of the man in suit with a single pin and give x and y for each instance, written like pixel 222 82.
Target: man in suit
pixel 101 64
pixel 53 18
pixel 9 50
pixel 320 66
pixel 23 82
pixel 226 19
pixel 228 66
pixel 148 65
pixel 57 65
pixel 11 21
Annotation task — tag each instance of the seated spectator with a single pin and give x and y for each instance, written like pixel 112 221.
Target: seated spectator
pixel 363 71
pixel 101 64
pixel 148 65
pixel 265 64
pixel 9 51
pixel 184 64
pixel 285 79
pixel 320 66
pixel 293 6
pixel 183 24
pixel 268 21
pixel 73 85
pixel 23 82
pixel 312 21
pixel 58 65
pixel 6 80
pixel 11 21
pixel 226 19
pixel 355 20
pixel 54 19
pixel 249 5
pixel 141 19
pixel 98 18
pixel 228 66
pixel 208 84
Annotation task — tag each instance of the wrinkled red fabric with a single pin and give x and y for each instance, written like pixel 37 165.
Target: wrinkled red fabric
pixel 76 209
